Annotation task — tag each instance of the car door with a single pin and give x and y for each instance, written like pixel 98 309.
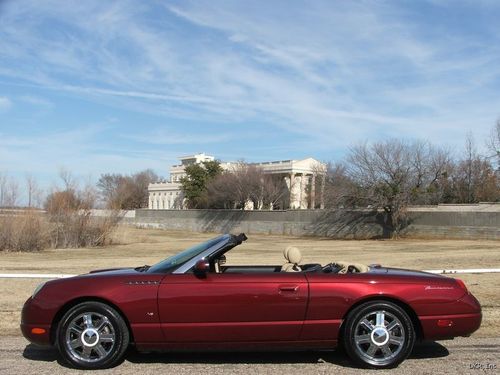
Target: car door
pixel 232 307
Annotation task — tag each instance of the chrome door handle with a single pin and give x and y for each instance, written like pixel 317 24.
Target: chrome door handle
pixel 292 288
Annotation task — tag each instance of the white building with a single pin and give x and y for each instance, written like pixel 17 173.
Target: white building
pixel 300 176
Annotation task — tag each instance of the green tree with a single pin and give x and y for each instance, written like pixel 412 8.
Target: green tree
pixel 194 185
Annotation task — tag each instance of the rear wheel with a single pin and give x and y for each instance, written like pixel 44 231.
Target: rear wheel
pixel 92 335
pixel 378 334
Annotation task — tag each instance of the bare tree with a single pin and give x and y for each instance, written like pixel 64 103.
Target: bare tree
pixel 339 190
pixel 70 215
pixel 33 191
pixel 221 191
pixel 474 180
pixel 112 189
pixel 431 167
pixel 391 175
pixel 9 191
pixel 11 194
pixel 275 192
pixel 245 184
pixel 68 179
pixel 126 192
pixel 493 143
pixel 467 164
pixel 3 188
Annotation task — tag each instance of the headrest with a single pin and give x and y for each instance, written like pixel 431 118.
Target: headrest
pixel 293 255
pixel 285 252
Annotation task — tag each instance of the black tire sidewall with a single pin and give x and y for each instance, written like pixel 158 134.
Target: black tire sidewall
pixel 362 310
pixel 122 335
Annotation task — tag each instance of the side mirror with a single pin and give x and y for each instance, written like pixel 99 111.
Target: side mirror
pixel 201 267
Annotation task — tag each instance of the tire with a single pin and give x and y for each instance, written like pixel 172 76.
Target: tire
pixel 92 335
pixel 378 334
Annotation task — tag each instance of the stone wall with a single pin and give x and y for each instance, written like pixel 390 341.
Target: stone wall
pixel 471 221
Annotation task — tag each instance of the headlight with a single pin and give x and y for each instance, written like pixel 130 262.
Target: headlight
pixel 37 289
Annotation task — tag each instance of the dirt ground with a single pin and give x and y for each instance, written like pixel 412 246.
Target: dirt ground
pixel 135 247
pixel 463 355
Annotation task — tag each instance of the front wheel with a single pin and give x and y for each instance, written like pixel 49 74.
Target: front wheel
pixel 92 335
pixel 378 334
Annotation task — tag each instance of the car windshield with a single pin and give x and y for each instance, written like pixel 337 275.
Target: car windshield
pixel 178 259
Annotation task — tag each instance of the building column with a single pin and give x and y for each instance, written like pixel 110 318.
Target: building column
pixel 303 193
pixel 322 198
pixel 313 191
pixel 301 189
pixel 291 188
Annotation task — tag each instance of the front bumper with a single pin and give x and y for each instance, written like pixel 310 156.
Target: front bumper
pixel 33 326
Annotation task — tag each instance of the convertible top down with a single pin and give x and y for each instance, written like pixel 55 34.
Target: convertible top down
pixel 195 301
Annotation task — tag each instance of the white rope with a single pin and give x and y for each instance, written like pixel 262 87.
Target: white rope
pixel 34 275
pixel 472 270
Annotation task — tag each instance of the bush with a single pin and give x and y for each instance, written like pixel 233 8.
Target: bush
pixel 68 223
pixel 80 229
pixel 71 221
pixel 24 231
pixel 33 231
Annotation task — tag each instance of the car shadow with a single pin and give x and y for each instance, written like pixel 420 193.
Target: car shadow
pixel 254 357
pixel 429 349
pixel 422 350
pixel 40 353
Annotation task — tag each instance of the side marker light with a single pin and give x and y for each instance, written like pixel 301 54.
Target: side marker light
pixel 445 323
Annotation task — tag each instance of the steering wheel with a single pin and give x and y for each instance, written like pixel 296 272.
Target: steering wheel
pixel 332 268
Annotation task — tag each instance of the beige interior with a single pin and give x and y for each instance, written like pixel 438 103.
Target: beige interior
pixel 345 265
pixel 293 258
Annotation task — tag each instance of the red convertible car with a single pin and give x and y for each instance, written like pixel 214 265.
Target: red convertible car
pixel 194 301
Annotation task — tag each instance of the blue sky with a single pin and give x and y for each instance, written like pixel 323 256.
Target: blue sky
pixel 104 86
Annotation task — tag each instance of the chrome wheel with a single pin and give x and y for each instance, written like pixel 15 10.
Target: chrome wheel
pixel 90 337
pixel 379 337
pixel 378 334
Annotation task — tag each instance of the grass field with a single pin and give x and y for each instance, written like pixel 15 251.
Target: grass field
pixel 135 247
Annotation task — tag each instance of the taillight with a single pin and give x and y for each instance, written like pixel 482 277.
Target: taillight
pixel 461 284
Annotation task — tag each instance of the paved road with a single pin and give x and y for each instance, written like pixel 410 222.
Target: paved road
pixel 445 357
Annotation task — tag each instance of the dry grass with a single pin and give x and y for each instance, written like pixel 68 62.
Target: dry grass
pixel 27 231
pixel 134 247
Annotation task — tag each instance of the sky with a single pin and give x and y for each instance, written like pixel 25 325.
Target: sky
pixel 119 86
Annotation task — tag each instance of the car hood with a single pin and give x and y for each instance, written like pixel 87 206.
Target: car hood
pixel 112 271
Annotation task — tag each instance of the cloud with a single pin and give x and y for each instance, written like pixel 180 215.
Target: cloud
pixel 81 150
pixel 5 104
pixel 174 137
pixel 326 73
pixel 36 101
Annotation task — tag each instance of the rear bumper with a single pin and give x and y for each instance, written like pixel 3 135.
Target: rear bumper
pixel 449 326
pixel 452 325
pixel 34 331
